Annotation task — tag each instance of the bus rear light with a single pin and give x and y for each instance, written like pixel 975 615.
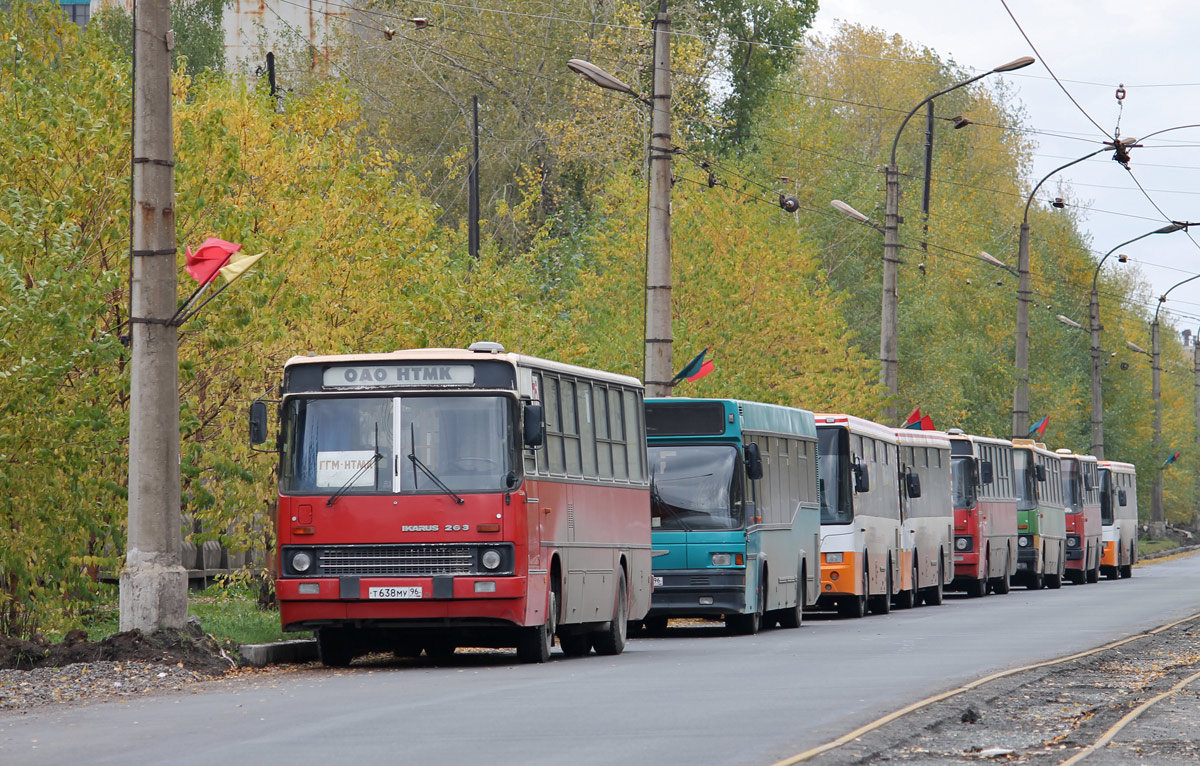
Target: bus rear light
pixel 488 527
pixel 833 558
pixel 304 530
pixel 485 586
pixel 309 589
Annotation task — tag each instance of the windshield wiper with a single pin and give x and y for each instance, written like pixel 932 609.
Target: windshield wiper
pixel 416 461
pixel 657 501
pixel 350 482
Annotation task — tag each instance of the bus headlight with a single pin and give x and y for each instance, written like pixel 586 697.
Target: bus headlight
pixel 1072 541
pixel 962 543
pixel 722 559
pixel 1023 541
pixel 301 561
pixel 833 558
pixel 490 559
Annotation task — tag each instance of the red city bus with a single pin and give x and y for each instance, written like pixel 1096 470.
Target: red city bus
pixel 985 513
pixel 437 498
pixel 1081 492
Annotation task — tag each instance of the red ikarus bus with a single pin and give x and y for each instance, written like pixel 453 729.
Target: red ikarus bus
pixel 985 513
pixel 437 498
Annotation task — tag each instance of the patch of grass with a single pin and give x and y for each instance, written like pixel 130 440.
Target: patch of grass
pixel 1147 546
pixel 231 615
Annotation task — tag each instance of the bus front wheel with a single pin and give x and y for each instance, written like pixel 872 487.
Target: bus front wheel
pixel 534 643
pixel 334 647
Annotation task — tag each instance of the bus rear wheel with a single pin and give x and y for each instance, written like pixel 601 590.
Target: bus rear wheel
pixel 1000 585
pixel 612 640
pixel 793 617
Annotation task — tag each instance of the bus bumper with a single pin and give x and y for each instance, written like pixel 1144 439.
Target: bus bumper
pixel 443 601
pixel 1109 557
pixel 844 578
pixel 698 593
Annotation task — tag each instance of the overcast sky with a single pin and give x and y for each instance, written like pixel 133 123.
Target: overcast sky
pixel 1153 47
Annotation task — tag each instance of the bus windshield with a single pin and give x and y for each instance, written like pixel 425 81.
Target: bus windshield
pixel 695 487
pixel 1106 498
pixel 962 481
pixel 1026 480
pixel 1072 486
pixel 330 444
pixel 833 470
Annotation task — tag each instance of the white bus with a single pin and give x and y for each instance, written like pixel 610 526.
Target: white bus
pixel 858 465
pixel 1118 518
pixel 927 514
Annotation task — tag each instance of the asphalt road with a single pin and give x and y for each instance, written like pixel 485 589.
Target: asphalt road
pixel 694 697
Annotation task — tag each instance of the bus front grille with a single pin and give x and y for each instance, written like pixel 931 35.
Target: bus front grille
pixel 397 560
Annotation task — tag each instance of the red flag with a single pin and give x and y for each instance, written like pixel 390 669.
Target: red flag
pixel 914 418
pixel 927 424
pixel 206 262
pixel 705 368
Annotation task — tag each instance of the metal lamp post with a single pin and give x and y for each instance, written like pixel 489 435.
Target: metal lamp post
pixel 1095 328
pixel 659 367
pixel 1021 356
pixel 888 332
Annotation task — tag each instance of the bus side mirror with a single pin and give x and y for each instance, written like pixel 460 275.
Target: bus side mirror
pixel 754 466
pixel 258 422
pixel 1121 497
pixel 532 425
pixel 862 477
pixel 1041 472
pixel 913 484
pixel 985 471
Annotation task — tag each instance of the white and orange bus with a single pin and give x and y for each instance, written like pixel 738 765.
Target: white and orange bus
pixel 436 498
pixel 927 517
pixel 858 464
pixel 1118 518
pixel 985 513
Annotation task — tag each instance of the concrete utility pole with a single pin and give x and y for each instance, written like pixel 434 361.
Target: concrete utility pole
pixel 1196 384
pixel 153 590
pixel 1158 518
pixel 889 351
pixel 659 338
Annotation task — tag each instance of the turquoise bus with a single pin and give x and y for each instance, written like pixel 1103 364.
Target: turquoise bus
pixel 735 521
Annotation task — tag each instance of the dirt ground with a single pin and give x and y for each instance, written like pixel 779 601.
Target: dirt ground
pixel 1044 716
pixel 188 648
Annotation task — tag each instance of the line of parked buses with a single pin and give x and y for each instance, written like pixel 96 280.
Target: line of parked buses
pixel 437 498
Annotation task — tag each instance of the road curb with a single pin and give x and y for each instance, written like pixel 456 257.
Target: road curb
pixel 279 652
pixel 1169 552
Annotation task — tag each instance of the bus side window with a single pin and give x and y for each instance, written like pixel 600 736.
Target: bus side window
pixel 554 428
pixel 616 430
pixel 587 429
pixel 636 453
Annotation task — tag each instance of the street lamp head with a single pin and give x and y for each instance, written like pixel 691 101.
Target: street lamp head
pixel 1068 321
pixel 845 209
pixel 992 259
pixel 1136 347
pixel 1015 64
pixel 1172 228
pixel 598 76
